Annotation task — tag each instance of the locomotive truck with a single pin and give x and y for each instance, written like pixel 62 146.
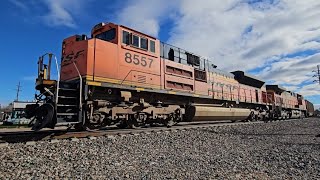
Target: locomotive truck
pixel 120 76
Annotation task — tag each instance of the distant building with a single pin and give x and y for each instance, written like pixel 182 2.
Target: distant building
pixel 15 114
pixel 5 112
pixel 1 115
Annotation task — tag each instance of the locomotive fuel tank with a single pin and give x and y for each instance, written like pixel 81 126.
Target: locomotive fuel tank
pixel 211 113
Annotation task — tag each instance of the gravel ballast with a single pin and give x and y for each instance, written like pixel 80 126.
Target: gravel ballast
pixel 279 150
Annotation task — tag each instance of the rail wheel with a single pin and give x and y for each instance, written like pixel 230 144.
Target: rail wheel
pixel 170 121
pixel 122 124
pixel 251 117
pixel 97 122
pixel 94 126
pixel 132 122
pixel 79 127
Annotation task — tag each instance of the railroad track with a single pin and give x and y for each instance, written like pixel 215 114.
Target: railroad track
pixel 31 137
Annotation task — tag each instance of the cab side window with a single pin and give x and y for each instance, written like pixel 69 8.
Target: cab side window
pixel 152 46
pixel 143 43
pixel 138 41
pixel 135 40
pixel 125 37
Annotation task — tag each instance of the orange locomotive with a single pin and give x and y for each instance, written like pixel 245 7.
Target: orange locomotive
pixel 124 77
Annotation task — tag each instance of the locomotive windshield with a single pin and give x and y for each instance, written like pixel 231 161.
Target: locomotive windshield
pixel 107 35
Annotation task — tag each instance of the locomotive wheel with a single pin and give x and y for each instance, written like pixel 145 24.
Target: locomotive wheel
pixel 170 121
pixel 132 126
pixel 79 127
pixel 91 126
pixel 132 122
pixel 97 122
pixel 122 124
pixel 43 117
pixel 250 117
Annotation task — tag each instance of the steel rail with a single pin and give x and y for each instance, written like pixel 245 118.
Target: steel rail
pixel 60 134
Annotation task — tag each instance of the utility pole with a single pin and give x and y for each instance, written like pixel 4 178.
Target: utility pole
pixel 317 75
pixel 18 91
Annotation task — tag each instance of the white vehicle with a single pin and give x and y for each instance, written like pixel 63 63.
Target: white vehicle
pixel 17 116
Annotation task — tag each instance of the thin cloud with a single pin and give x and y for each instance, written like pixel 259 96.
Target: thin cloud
pixel 19 4
pixel 58 14
pixel 310 90
pixel 146 16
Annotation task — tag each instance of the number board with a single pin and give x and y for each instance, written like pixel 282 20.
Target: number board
pixel 138 60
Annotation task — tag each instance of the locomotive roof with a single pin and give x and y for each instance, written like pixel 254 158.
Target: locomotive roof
pixel 276 88
pixel 137 31
pixel 224 73
pixel 247 79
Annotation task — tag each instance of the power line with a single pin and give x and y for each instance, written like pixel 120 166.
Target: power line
pixel 18 91
pixel 317 75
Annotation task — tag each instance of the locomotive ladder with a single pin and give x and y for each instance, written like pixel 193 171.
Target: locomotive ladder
pixel 69 101
pixel 67 108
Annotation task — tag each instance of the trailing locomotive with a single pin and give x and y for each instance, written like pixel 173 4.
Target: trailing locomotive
pixel 128 78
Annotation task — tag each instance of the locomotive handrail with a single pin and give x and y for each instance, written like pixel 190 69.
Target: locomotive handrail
pixel 182 56
pixel 58 78
pixel 234 95
pixel 80 92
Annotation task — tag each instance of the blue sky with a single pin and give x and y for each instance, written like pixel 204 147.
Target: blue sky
pixel 277 40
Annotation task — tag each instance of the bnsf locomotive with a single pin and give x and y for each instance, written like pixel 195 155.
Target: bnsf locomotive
pixel 127 78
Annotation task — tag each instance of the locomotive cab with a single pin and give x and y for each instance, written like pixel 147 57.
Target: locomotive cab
pixel 105 32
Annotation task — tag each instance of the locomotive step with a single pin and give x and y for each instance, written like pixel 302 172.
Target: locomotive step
pixel 67 114
pixel 68 97
pixel 62 122
pixel 68 93
pixel 67 85
pixel 68 89
pixel 67 105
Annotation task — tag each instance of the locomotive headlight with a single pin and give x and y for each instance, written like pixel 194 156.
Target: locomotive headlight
pixel 98 26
